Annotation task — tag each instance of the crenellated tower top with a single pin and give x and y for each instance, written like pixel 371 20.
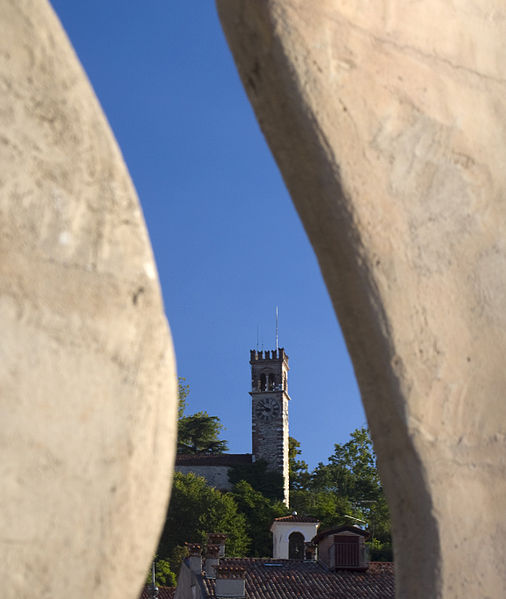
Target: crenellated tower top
pixel 269 371
pixel 274 354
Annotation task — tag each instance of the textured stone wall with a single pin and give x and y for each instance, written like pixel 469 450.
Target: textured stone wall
pixel 388 122
pixel 270 437
pixel 216 476
pixel 270 433
pixel 87 375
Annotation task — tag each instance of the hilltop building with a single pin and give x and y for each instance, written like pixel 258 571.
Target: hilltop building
pixel 269 418
pixel 305 563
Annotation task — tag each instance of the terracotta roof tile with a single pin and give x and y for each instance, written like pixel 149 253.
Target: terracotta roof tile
pixel 163 593
pixel 289 579
pixel 344 528
pixel 296 518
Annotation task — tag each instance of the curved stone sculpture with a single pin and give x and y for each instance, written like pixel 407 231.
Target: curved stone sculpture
pixel 87 374
pixel 387 120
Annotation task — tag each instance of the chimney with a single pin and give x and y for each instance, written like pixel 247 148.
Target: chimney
pixel 212 560
pixel 230 582
pixel 218 538
pixel 195 557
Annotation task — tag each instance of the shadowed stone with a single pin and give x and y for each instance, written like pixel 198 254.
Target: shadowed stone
pixel 388 122
pixel 87 374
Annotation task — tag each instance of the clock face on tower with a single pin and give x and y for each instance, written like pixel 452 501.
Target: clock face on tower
pixel 267 409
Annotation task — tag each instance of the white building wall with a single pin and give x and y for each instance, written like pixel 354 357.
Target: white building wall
pixel 281 532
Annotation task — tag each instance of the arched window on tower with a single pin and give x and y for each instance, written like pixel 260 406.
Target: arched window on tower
pixel 296 546
pixel 272 382
pixel 263 384
pixel 284 381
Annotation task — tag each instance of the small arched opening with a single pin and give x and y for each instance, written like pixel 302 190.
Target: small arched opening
pixel 296 546
pixel 263 382
pixel 272 382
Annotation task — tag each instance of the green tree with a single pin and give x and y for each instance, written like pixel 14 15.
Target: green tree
pixel 183 392
pixel 351 471
pixel 259 512
pixel 327 506
pixel 195 510
pixel 377 515
pixel 164 576
pixel 176 557
pixel 297 469
pixel 268 482
pixel 352 476
pixel 199 434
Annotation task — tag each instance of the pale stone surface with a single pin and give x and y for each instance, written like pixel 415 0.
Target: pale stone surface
pixel 87 375
pixel 388 122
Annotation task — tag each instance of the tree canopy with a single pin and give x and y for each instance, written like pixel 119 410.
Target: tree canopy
pixel 268 482
pixel 164 575
pixel 183 390
pixel 347 489
pixel 198 433
pixel 259 512
pixel 351 470
pixel 297 469
pixel 197 509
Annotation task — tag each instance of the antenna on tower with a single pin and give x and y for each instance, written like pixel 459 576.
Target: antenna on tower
pixel 258 333
pixel 277 329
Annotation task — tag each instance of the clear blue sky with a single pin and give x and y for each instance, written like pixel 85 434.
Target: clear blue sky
pixel 228 243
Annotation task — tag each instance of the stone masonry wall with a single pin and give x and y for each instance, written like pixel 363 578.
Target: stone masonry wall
pixel 216 476
pixel 270 439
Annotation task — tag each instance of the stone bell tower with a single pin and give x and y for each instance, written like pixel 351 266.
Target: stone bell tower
pixel 269 394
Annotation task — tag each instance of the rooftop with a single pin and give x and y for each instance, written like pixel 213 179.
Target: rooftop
pixel 163 593
pixel 223 459
pixel 296 518
pixel 344 528
pixel 286 579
